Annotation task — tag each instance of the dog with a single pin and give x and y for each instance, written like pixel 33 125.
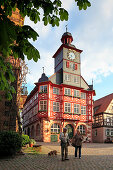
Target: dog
pixel 54 152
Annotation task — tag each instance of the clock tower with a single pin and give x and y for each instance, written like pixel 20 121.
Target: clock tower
pixel 67 62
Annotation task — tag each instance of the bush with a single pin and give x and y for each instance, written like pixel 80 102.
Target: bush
pixel 32 141
pixel 10 143
pixel 25 140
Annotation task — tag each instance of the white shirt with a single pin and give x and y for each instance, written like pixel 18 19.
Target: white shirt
pixel 63 138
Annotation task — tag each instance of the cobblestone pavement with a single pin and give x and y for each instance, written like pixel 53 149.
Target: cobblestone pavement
pixel 94 157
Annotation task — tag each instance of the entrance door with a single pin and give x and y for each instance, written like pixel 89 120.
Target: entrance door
pixel 54 138
pixel 70 130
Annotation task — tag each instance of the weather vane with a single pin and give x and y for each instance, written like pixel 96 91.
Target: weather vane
pixel 43 69
pixel 66 27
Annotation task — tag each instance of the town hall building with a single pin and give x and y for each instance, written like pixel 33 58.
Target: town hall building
pixel 62 100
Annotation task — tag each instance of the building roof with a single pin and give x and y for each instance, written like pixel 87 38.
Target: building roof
pixel 101 104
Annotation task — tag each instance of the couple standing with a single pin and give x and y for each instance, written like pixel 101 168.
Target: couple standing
pixel 76 142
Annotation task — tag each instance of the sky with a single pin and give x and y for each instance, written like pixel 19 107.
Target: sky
pixel 92 32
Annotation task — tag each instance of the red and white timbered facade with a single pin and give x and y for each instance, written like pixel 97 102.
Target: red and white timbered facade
pixel 63 100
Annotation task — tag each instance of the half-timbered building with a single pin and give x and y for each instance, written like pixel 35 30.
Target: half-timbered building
pixel 103 119
pixel 62 100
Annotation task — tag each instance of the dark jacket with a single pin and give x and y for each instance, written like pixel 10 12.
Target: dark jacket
pixel 77 139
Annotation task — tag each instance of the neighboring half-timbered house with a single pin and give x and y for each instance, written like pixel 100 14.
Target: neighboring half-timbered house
pixel 103 119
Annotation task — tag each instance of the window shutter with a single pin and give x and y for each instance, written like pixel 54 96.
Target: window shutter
pixel 75 66
pixel 67 64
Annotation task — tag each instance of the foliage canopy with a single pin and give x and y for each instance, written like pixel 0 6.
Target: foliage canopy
pixel 14 38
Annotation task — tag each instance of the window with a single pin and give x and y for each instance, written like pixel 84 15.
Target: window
pixel 67 77
pixel 67 64
pixel 111 132
pixel 83 110
pixel 74 66
pixel 67 91
pixel 43 105
pixel 68 107
pixel 55 90
pixel 76 108
pixel 82 129
pixel 83 95
pixel 55 106
pixel 95 133
pixel 76 93
pixel 55 128
pixel 108 119
pixel 43 89
pixel 76 79
pixel 107 132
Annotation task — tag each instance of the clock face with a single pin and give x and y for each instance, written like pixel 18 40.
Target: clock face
pixel 71 55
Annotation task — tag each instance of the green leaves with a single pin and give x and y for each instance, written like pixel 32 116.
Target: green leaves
pixel 63 14
pixel 6 77
pixel 83 4
pixel 14 40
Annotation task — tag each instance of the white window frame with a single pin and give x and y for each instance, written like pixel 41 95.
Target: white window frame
pixel 76 79
pixel 82 129
pixel 67 91
pixel 43 89
pixel 76 108
pixel 83 95
pixel 67 107
pixel 67 77
pixel 44 105
pixel 56 106
pixel 55 128
pixel 76 93
pixel 107 132
pixel 55 90
pixel 83 110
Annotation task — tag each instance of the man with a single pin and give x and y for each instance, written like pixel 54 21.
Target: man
pixel 78 138
pixel 64 144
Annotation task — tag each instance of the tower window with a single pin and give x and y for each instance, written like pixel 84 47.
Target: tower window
pixel 76 79
pixel 67 77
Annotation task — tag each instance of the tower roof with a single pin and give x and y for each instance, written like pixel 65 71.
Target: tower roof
pixel 43 78
pixel 67 38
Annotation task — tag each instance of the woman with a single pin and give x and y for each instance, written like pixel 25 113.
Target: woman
pixel 77 140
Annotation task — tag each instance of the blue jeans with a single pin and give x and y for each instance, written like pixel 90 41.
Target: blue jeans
pixel 76 148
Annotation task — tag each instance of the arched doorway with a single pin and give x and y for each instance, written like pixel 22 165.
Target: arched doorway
pixel 70 130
